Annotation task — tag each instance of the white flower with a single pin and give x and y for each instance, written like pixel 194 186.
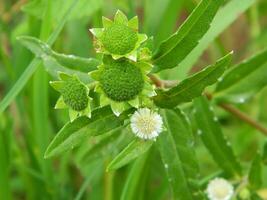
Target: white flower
pixel 220 189
pixel 146 124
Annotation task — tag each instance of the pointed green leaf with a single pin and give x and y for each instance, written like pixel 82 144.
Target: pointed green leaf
pixel 134 23
pixel 255 172
pixel 193 86
pixel 42 50
pixel 97 32
pixel 60 104
pixel 136 148
pixel 57 85
pixel 74 133
pixel 225 17
pixel 173 50
pixel 64 76
pixel 106 22
pixel 213 138
pixel 180 134
pixel 173 165
pixel 244 80
pixel 120 18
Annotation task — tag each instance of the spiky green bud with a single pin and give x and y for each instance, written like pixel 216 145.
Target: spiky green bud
pixel 75 94
pixel 119 39
pixel 121 80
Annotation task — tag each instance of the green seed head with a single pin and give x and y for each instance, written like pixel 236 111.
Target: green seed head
pixel 74 94
pixel 119 39
pixel 121 80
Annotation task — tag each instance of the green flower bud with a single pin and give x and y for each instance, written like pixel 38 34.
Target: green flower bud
pixel 119 39
pixel 121 80
pixel 75 94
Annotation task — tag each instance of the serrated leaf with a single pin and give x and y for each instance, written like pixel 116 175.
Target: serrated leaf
pixel 255 172
pixel 74 133
pixel 179 131
pixel 223 19
pixel 173 50
pixel 193 86
pixel 213 138
pixel 136 148
pixel 244 80
pixel 42 50
pixel 173 165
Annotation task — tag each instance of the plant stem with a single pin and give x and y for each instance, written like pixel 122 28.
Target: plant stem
pixel 229 108
pixel 162 83
pixel 243 117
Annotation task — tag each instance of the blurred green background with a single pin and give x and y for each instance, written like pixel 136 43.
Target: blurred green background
pixel 30 122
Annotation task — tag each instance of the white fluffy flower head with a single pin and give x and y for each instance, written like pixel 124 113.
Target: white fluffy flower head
pixel 220 189
pixel 146 124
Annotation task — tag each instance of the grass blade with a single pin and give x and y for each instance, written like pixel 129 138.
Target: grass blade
pixel 23 79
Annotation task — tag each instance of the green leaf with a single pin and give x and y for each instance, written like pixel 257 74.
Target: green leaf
pixel 104 146
pixel 213 138
pixel 136 148
pixel 74 133
pixel 173 50
pixel 244 80
pixel 23 79
pixel 161 17
pixel 264 154
pixel 135 177
pixel 255 173
pixel 42 50
pixel 84 8
pixel 193 86
pixel 186 166
pixel 173 165
pixel 223 19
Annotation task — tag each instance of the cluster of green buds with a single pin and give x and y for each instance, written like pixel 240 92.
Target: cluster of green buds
pixel 122 77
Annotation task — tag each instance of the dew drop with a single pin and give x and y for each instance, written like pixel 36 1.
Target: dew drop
pixel 71 56
pixel 242 100
pixel 228 143
pixel 166 166
pixel 191 143
pixel 199 132
pixel 220 79
pixel 215 119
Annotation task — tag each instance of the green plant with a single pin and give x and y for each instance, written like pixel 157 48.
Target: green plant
pixel 123 116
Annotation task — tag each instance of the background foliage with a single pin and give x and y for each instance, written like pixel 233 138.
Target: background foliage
pixel 28 122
